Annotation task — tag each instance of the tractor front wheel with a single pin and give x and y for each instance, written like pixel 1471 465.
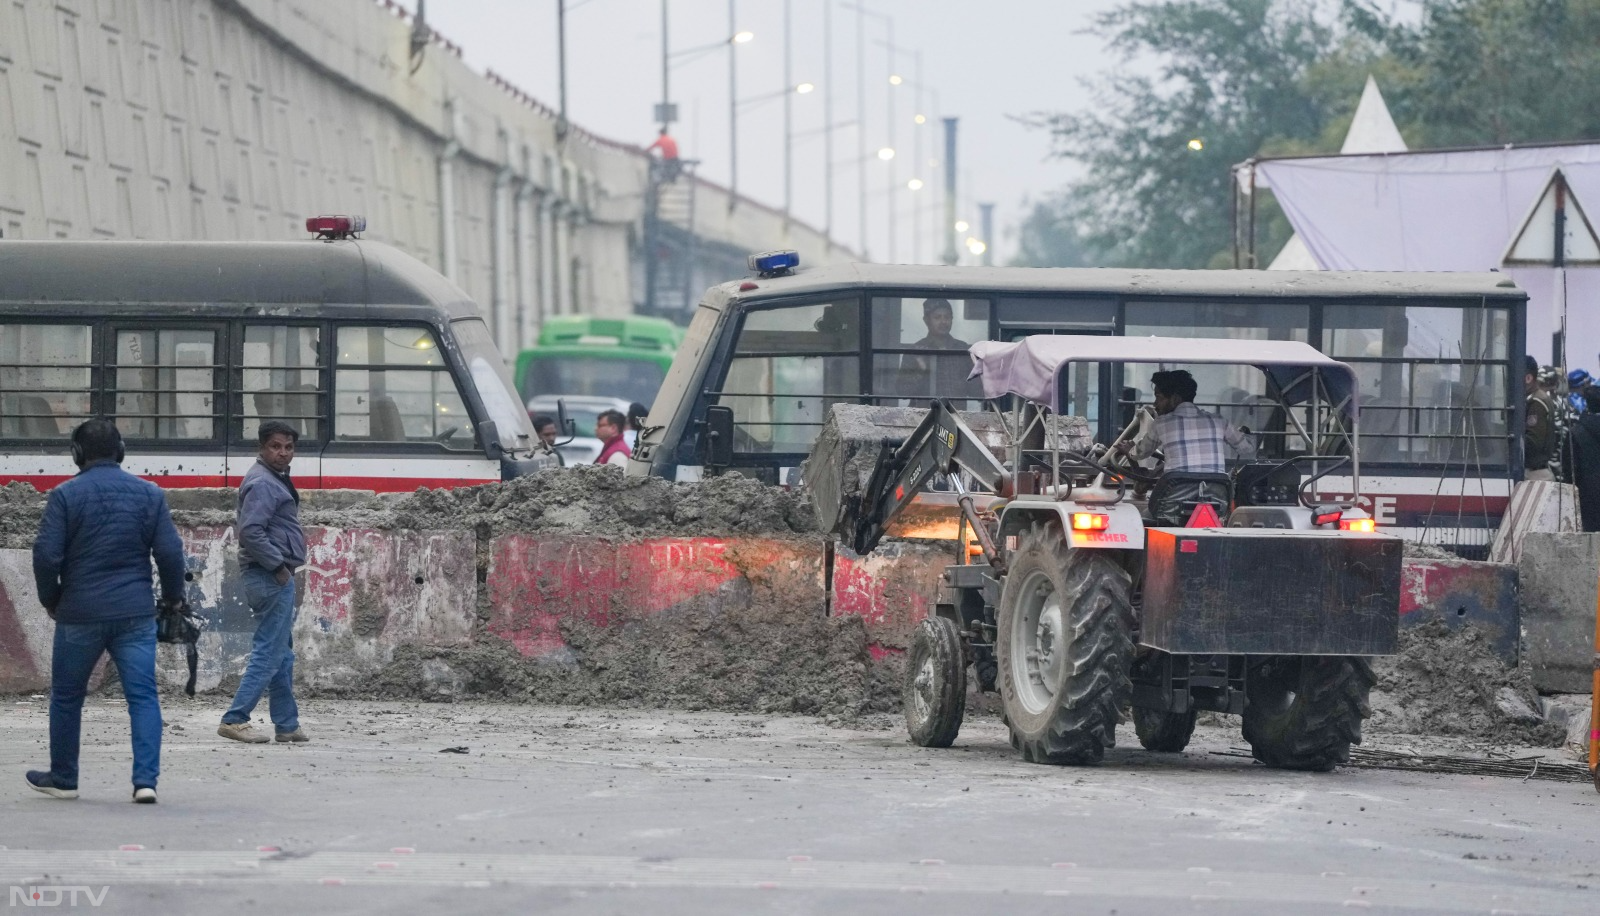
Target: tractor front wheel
pixel 935 694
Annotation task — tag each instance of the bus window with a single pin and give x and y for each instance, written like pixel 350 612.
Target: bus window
pixel 165 384
pixel 1235 320
pixel 281 370
pixel 919 348
pixel 789 366
pixel 393 385
pixel 1428 392
pixel 44 379
pixel 620 376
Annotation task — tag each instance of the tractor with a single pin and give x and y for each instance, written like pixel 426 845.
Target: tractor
pixel 1091 588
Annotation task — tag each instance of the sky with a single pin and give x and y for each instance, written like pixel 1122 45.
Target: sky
pixel 985 64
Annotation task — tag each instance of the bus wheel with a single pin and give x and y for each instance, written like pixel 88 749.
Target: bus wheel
pixel 935 694
pixel 1064 646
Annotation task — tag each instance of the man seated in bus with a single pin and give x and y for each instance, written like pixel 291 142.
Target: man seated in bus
pixel 1193 442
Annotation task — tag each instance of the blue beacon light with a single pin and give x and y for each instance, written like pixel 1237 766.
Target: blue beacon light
pixel 775 263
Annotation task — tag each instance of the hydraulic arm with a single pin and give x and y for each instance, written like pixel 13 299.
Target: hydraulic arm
pixel 941 444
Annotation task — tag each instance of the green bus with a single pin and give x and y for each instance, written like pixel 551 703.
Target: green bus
pixel 623 358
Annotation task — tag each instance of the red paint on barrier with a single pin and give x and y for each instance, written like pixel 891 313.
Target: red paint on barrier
pixel 538 583
pixel 880 652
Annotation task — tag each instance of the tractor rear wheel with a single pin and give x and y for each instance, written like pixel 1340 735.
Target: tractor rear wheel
pixel 1302 712
pixel 935 694
pixel 1063 646
pixel 1167 732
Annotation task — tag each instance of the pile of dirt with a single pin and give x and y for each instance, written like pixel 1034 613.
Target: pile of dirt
pixel 762 659
pixel 601 502
pixel 1416 550
pixel 1450 682
pixel 21 506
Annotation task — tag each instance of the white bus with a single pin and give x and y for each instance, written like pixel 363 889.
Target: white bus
pixel 384 366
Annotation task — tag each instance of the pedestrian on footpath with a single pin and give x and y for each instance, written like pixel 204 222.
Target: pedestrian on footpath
pixel 271 548
pixel 91 565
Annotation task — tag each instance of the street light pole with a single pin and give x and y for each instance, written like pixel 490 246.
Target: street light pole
pixel 827 119
pixel 561 58
pixel 733 114
pixel 861 119
pixel 893 190
pixel 950 254
pixel 788 117
pixel 666 55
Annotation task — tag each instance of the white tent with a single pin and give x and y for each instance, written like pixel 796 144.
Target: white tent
pixel 1453 210
pixel 1372 130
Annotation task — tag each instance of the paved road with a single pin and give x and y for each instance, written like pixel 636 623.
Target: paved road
pixel 556 810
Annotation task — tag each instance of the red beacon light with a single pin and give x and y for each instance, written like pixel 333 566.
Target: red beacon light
pixel 329 228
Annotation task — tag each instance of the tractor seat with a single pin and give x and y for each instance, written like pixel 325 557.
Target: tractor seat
pixel 1176 494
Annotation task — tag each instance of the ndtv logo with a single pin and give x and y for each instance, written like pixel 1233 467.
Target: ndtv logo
pixel 57 895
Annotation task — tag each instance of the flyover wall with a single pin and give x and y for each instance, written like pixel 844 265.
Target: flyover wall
pixel 236 119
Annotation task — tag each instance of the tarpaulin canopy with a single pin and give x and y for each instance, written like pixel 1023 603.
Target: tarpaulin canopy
pixel 1452 210
pixel 1031 367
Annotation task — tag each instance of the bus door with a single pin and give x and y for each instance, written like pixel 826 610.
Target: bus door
pixel 279 374
pixel 1088 388
pixel 167 384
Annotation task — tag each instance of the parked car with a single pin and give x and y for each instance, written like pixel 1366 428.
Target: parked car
pixel 582 410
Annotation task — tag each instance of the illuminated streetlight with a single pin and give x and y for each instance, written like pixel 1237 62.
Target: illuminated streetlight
pixel 962 225
pixel 976 245
pixel 895 80
pixel 744 37
pixel 915 184
pixel 1197 144
pixel 886 153
pixel 805 88
pixel 920 119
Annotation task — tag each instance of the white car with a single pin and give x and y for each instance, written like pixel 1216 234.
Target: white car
pixel 582 410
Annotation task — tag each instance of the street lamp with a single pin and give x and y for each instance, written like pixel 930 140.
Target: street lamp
pixel 788 122
pixel 666 112
pixel 886 153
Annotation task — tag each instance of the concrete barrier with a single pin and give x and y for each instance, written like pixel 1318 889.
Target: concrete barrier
pixel 366 592
pixel 1560 587
pixel 1536 506
pixel 1464 593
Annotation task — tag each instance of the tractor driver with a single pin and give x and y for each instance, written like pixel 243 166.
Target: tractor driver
pixel 1192 440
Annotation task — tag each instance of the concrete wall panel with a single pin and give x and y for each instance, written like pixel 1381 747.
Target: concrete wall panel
pixel 1464 593
pixel 1560 582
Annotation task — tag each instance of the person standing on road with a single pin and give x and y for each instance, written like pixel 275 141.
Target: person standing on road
pixel 1539 439
pixel 636 414
pixel 91 564
pixel 614 449
pixel 271 548
pixel 1585 436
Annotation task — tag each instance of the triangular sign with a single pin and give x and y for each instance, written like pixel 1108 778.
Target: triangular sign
pixel 1535 242
pixel 1204 516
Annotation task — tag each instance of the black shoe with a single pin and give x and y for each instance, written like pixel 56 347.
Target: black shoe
pixel 144 795
pixel 41 781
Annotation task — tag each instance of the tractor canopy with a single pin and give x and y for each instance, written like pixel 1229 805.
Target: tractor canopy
pixel 1031 367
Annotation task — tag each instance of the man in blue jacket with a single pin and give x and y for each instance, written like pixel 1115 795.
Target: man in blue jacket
pixel 91 563
pixel 271 548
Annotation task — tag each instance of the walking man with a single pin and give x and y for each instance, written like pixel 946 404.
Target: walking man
pixel 271 547
pixel 91 564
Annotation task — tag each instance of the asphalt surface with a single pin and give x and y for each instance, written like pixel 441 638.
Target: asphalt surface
pixel 560 810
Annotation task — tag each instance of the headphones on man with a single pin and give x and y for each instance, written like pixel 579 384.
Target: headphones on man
pixel 77 445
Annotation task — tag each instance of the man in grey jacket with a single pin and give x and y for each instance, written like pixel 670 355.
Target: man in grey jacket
pixel 271 547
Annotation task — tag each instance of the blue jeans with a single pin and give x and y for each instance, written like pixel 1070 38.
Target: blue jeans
pixel 271 665
pixel 78 646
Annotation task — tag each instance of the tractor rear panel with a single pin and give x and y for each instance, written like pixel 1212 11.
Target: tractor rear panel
pixel 1253 591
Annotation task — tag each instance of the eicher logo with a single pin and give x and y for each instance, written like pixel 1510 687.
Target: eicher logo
pixel 57 895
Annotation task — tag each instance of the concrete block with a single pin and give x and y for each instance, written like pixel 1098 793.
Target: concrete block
pixel 891 590
pixel 1560 590
pixel 1464 593
pixel 1536 506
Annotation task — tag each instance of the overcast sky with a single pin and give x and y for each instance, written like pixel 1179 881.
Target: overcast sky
pixel 987 62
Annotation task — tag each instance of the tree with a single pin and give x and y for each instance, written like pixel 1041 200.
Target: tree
pixel 1232 75
pixel 1488 72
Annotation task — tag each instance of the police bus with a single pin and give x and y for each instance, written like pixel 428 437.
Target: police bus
pixel 1438 357
pixel 384 366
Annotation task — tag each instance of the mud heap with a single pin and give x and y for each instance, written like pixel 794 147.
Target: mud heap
pixel 1450 682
